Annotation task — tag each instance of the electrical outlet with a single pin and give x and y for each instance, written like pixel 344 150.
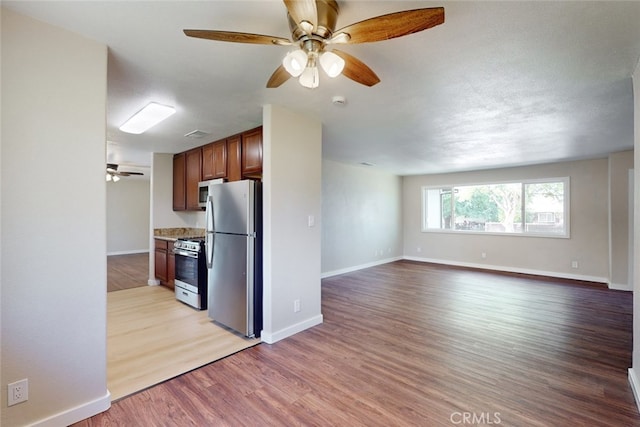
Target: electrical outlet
pixel 574 264
pixel 17 392
pixel 484 255
pixel 296 306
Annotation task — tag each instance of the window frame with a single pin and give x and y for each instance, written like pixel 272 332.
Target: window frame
pixel 522 182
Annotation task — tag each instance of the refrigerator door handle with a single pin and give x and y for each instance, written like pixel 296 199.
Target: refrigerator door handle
pixel 209 215
pixel 208 245
pixel 209 231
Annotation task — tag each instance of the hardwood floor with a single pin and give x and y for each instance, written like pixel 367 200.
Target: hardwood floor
pixel 127 271
pixel 152 337
pixel 408 344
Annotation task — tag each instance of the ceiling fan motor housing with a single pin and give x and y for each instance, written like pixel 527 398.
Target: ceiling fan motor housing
pixel 327 18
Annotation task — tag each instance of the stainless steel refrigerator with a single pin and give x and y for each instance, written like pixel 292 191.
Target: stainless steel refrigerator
pixel 234 255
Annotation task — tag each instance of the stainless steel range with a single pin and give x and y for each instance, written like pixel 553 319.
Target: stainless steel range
pixel 191 272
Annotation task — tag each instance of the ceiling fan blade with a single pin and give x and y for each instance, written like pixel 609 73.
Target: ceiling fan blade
pixel 356 70
pixel 279 76
pixel 390 26
pixel 303 11
pixel 232 36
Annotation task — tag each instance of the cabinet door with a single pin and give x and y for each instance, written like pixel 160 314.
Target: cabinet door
pixel 208 162
pixel 161 260
pixel 193 176
pixel 252 153
pixel 234 158
pixel 220 159
pixel 171 269
pixel 179 170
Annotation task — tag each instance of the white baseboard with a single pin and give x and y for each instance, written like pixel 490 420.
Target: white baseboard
pixel 635 386
pixel 135 251
pixel 272 337
pixel 79 413
pixel 512 269
pixel 153 282
pixel 359 267
pixel 620 286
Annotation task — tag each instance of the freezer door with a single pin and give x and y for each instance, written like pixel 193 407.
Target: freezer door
pixel 231 300
pixel 232 205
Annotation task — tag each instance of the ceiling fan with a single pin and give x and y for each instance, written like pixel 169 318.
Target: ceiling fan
pixel 312 24
pixel 114 175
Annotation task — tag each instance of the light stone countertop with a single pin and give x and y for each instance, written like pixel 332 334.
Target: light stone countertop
pixel 173 234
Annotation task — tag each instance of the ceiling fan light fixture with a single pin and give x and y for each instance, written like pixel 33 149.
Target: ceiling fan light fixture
pixel 310 77
pixel 295 62
pixel 112 177
pixel 332 64
pixel 146 118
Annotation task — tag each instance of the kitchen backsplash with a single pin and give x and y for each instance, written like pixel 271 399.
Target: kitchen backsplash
pixel 178 232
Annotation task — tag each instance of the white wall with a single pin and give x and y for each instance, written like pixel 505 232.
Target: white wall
pixel 619 166
pixel 361 217
pixel 292 191
pixel 128 216
pixel 53 246
pixel 547 256
pixel 635 363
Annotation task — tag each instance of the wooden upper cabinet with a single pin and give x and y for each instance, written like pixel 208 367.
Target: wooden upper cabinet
pixel 179 176
pixel 207 161
pixel 214 160
pixel 220 159
pixel 252 153
pixel 234 158
pixel 193 177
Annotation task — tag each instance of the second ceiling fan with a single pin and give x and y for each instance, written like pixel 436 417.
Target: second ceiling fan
pixel 312 24
pixel 114 175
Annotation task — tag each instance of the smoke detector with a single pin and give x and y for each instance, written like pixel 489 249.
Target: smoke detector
pixel 339 100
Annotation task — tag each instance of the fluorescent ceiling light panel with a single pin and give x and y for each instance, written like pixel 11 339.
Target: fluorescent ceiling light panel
pixel 146 118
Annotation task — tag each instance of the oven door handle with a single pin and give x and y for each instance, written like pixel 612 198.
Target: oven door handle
pixel 185 253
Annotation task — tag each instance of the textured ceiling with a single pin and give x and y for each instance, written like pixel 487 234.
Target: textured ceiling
pixel 498 84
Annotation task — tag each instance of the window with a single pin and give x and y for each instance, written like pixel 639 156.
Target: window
pixel 532 207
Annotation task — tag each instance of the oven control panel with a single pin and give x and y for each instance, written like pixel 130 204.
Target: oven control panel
pixel 188 245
